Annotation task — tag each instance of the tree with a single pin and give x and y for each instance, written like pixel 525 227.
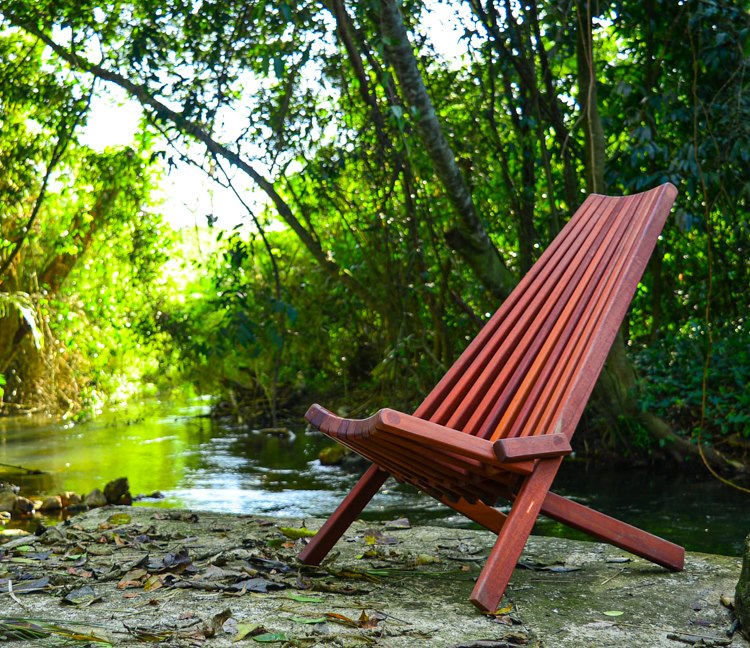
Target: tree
pixel 57 200
pixel 383 180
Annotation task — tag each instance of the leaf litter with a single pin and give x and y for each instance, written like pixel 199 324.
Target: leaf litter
pixel 187 579
pixel 145 560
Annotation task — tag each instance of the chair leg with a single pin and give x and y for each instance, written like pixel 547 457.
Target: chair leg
pixel 614 532
pixel 512 538
pixel 351 506
pixel 488 516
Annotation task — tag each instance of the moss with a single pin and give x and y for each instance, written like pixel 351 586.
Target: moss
pixel 332 455
pixel 742 593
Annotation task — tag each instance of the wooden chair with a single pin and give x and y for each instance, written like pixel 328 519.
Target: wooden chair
pixel 500 421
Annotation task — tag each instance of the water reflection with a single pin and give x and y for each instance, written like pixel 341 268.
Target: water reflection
pixel 199 464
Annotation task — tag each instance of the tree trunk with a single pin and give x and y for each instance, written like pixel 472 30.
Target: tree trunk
pixel 616 392
pixel 468 238
pixel 593 131
pixel 742 593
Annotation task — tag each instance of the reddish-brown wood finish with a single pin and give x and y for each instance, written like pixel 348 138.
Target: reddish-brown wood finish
pixel 536 447
pixel 614 532
pixel 499 422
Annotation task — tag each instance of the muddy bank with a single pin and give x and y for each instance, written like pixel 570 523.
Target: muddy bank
pixel 134 576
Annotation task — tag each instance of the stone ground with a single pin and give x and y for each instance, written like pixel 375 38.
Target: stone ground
pixel 136 576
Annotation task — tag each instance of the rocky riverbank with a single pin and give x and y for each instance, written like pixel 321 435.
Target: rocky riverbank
pixel 133 575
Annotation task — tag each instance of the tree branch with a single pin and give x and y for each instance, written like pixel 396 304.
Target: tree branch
pixel 469 238
pixel 188 127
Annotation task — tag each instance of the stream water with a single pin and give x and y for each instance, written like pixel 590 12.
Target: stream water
pixel 197 463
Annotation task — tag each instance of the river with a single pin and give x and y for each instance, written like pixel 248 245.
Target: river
pixel 197 463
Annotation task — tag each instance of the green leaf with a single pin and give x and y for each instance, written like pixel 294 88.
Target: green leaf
pixel 297 533
pixel 244 629
pixel 270 637
pixel 298 619
pixel 119 519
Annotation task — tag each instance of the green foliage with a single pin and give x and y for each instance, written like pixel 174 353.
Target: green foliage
pixel 673 379
pixel 80 249
pixel 352 282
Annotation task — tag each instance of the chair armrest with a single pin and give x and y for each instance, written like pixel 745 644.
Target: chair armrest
pixel 446 438
pixel 427 432
pixel 532 447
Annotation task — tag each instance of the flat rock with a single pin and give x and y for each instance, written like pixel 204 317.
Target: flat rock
pixel 135 575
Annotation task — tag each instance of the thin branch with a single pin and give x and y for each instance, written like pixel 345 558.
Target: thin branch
pixel 60 147
pixel 187 127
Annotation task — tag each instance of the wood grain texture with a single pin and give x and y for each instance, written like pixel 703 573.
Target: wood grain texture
pixel 499 422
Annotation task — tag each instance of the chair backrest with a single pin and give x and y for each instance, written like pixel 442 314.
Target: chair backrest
pixel 532 367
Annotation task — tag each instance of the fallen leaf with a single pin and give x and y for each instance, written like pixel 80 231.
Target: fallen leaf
pixel 559 569
pixel 153 583
pixel 37 556
pixel 214 573
pixel 24 586
pixel 503 610
pixel 369 621
pixel 172 562
pixel 308 620
pixel 613 613
pixel 119 518
pixel 340 618
pixel 20 630
pixel 247 629
pixel 218 620
pixel 82 597
pixel 258 585
pixel 24 549
pixel 297 533
pixel 355 575
pixel 304 599
pixel 269 565
pixel 270 637
pixel 134 578
pixel 375 536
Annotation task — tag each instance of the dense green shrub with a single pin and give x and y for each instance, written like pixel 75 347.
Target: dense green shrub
pixel 683 371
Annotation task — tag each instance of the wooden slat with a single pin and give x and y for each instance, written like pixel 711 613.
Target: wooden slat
pixel 499 408
pixel 500 337
pixel 619 534
pixel 536 390
pixel 589 320
pixel 346 512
